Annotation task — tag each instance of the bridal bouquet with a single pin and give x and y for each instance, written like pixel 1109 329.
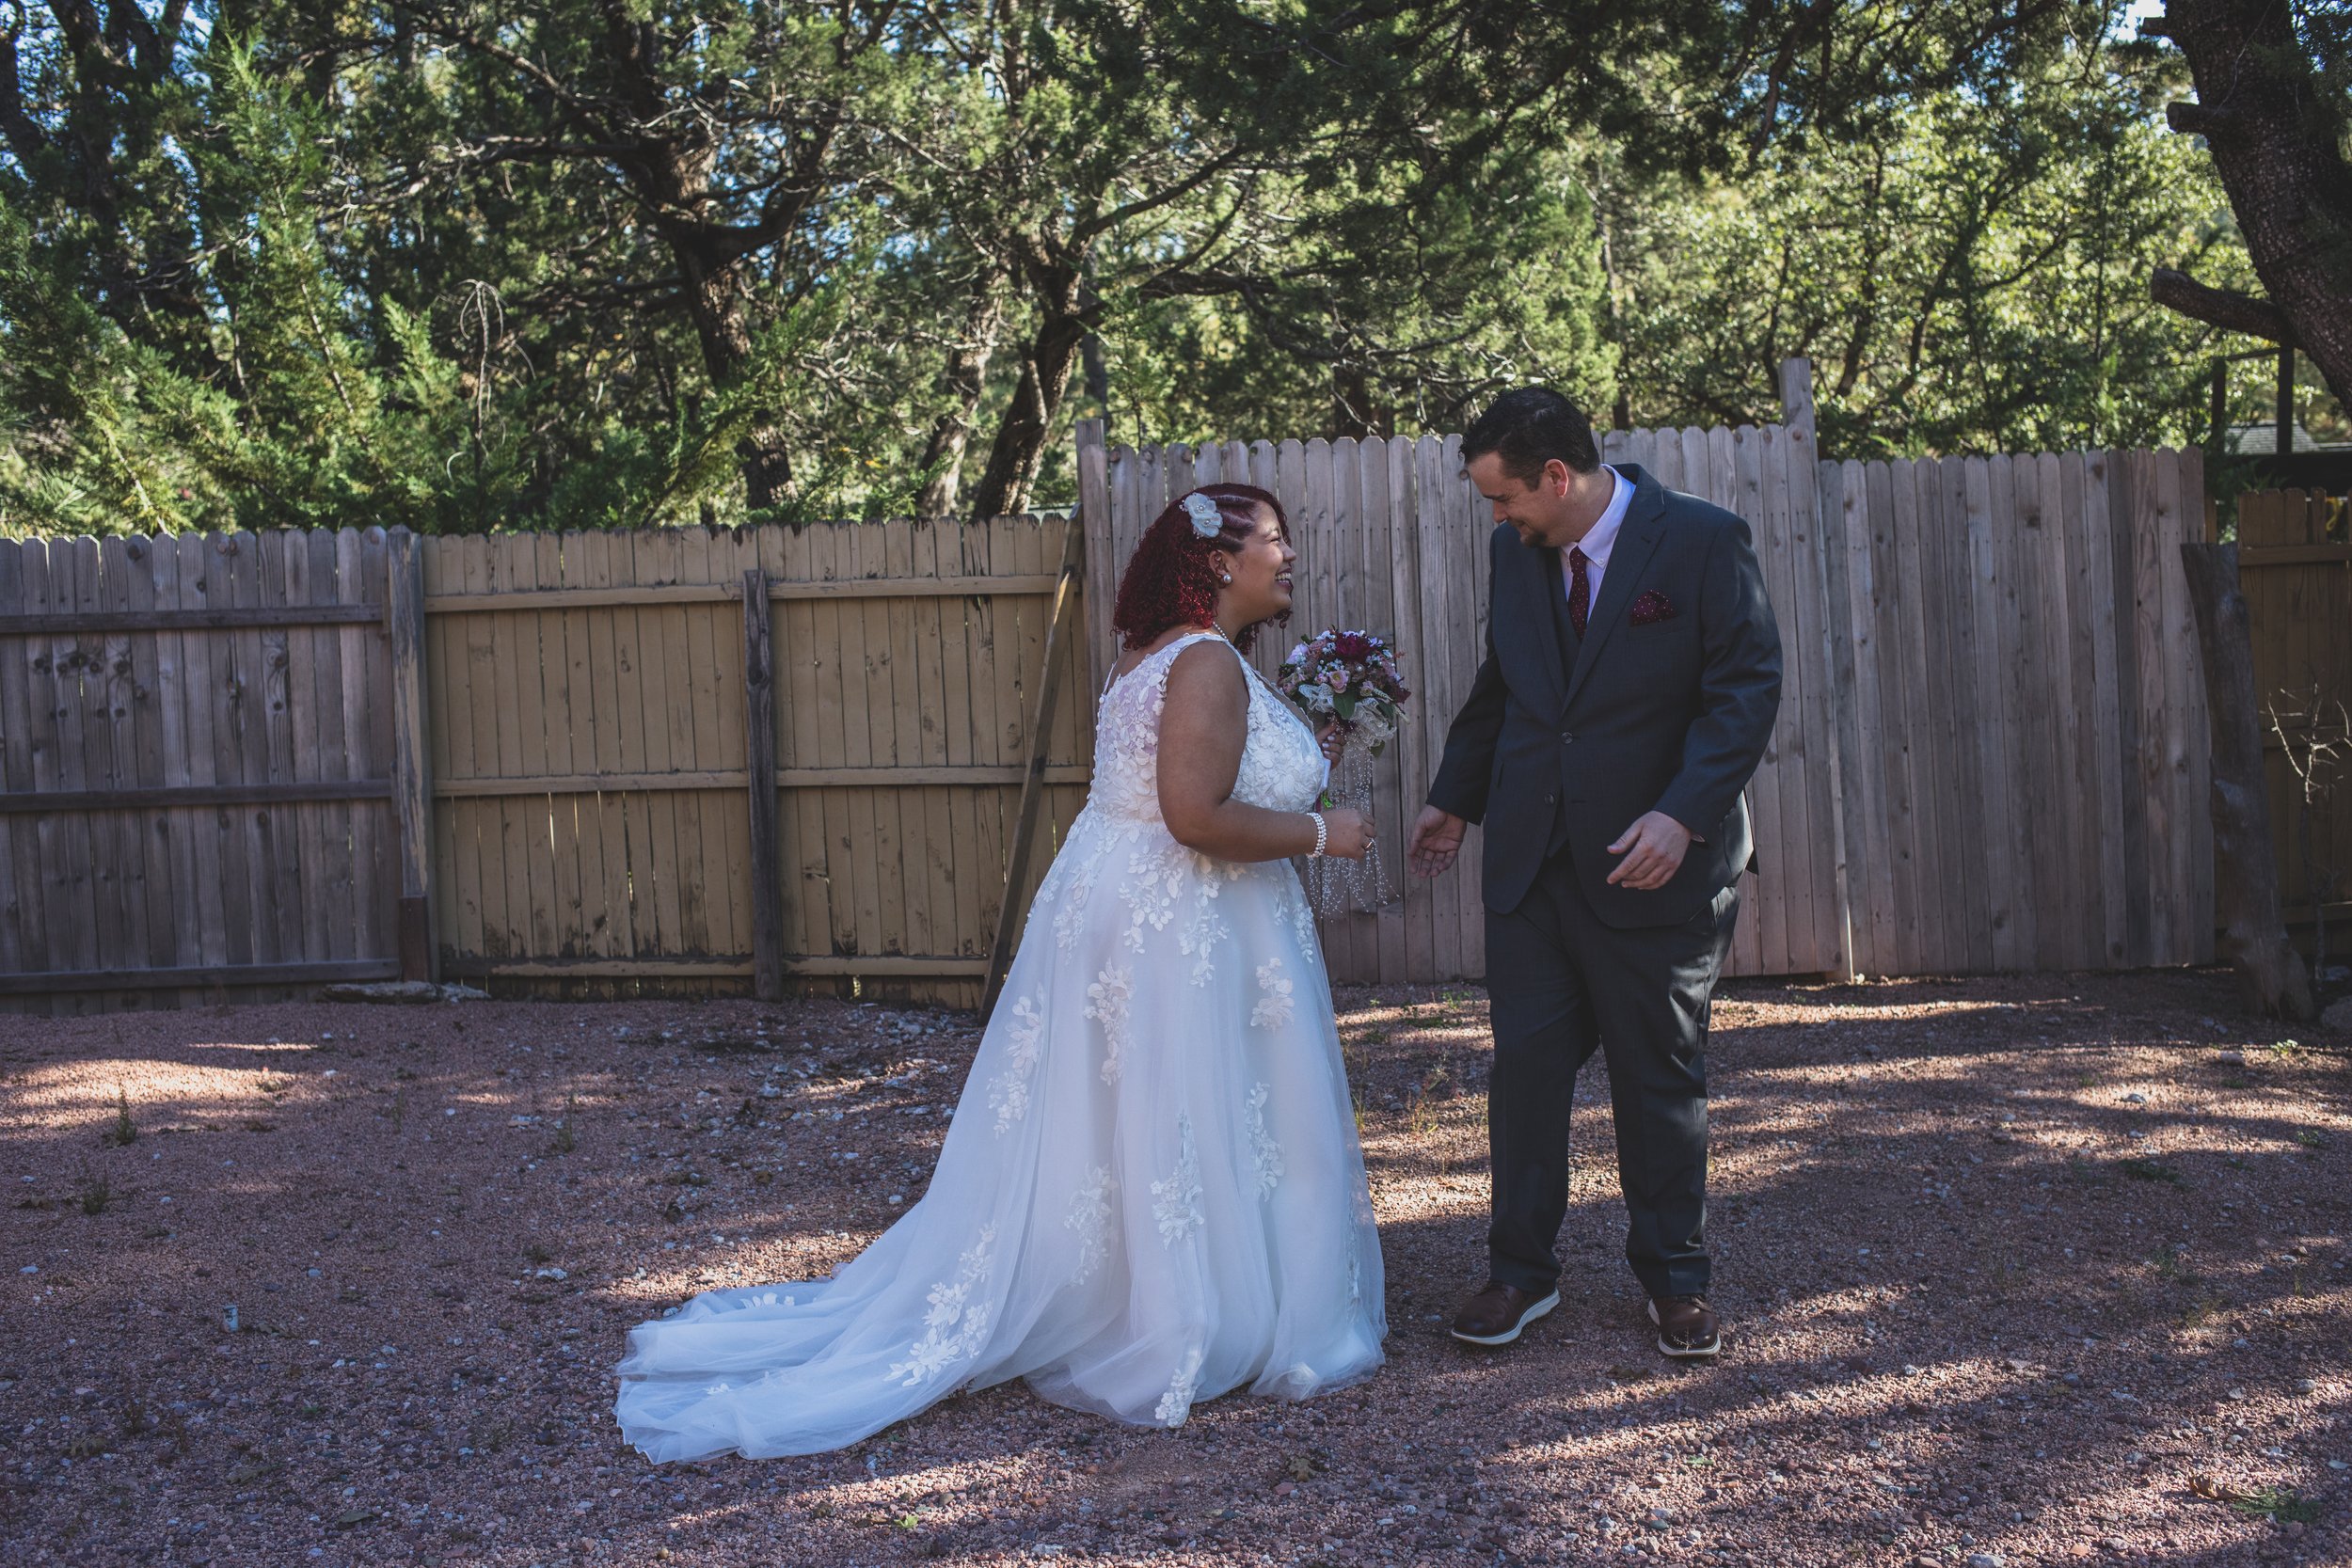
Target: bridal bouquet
pixel 1348 678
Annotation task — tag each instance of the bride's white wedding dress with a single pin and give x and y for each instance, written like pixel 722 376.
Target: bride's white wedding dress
pixel 1151 1191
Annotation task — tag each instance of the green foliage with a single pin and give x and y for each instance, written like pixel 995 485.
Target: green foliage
pixel 1976 278
pixel 454 265
pixel 1385 306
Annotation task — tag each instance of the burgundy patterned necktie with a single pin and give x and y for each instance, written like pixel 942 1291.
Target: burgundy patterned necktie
pixel 1580 590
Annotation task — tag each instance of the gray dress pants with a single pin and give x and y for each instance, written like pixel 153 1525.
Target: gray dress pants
pixel 1561 984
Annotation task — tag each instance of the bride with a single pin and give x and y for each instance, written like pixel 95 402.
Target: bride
pixel 1152 1191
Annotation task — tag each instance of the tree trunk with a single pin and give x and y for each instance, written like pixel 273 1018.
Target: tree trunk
pixel 2273 129
pixel 723 326
pixel 960 384
pixel 2246 876
pixel 1019 449
pixel 1351 401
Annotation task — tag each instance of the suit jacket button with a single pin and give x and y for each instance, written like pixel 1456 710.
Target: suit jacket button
pixel 1550 800
pixel 1566 739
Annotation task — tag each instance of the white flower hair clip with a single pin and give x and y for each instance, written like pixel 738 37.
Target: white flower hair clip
pixel 1207 521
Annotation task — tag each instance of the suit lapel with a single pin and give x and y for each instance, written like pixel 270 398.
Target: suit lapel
pixel 1644 525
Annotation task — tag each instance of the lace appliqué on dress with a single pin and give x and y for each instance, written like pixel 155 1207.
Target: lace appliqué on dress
pixel 956 1326
pixel 1275 1001
pixel 1302 916
pixel 1107 1004
pixel 1177 1402
pixel 1008 1092
pixel 1151 890
pixel 1204 930
pixel 1265 1155
pixel 1176 1202
pixel 1070 919
pixel 1090 1217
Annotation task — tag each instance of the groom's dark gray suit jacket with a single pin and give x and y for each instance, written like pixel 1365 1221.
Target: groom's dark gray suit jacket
pixel 1564 745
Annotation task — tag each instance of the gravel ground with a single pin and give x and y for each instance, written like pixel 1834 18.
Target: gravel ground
pixel 2013 1269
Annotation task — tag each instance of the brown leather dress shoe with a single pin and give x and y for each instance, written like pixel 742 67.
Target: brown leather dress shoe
pixel 1688 1329
pixel 1495 1315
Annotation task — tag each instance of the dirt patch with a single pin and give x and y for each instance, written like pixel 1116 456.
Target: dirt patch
pixel 2042 1270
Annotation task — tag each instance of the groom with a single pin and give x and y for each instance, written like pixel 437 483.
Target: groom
pixel 1631 675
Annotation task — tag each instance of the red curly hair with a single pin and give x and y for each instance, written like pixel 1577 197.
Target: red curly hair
pixel 1171 578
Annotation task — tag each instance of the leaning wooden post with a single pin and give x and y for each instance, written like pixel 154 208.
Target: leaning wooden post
pixel 1011 912
pixel 2246 879
pixel 412 804
pixel 759 753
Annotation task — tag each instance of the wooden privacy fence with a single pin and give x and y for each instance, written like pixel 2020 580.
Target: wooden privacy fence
pixel 230 766
pixel 235 764
pixel 1392 539
pixel 197 752
pixel 592 715
pixel 1990 748
pixel 2023 713
pixel 2294 566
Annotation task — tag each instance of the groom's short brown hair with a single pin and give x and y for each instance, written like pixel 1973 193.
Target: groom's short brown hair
pixel 1527 429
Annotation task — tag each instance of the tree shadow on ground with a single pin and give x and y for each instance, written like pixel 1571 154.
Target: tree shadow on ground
pixel 1951 1334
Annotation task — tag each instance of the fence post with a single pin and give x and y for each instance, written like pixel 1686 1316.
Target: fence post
pixel 1094 516
pixel 2270 973
pixel 1796 397
pixel 1829 572
pixel 1041 733
pixel 759 754
pixel 411 795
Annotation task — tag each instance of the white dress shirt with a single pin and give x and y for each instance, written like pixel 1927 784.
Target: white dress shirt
pixel 1599 539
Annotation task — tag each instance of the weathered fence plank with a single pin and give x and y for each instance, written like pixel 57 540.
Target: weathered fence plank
pixel 232 765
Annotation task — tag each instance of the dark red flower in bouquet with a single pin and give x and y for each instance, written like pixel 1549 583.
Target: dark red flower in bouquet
pixel 1353 646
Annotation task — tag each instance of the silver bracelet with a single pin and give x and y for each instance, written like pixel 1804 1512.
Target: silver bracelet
pixel 1323 835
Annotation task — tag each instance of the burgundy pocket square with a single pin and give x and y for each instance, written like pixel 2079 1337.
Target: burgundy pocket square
pixel 1650 607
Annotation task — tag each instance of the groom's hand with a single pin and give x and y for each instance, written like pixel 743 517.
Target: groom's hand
pixel 1653 848
pixel 1437 839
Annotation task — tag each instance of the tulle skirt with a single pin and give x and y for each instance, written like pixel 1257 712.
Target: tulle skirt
pixel 1151 1191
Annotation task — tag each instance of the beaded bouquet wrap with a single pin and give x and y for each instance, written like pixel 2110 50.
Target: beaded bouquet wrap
pixel 1350 678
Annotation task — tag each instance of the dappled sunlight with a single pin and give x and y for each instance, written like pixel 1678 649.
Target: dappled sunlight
pixel 1968 1311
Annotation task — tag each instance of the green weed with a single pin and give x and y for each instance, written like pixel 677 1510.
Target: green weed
pixel 2280 1503
pixel 124 1132
pixel 2206 1308
pixel 98 1194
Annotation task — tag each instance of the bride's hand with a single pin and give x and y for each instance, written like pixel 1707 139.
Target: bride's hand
pixel 1349 834
pixel 1332 739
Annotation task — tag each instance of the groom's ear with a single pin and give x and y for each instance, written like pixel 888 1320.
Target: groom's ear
pixel 1557 479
